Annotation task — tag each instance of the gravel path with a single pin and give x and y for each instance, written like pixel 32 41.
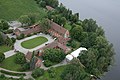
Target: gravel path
pixel 28 74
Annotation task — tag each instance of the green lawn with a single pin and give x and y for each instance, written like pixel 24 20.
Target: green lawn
pixel 13 9
pixel 10 64
pixel 58 71
pixel 32 43
pixel 4 48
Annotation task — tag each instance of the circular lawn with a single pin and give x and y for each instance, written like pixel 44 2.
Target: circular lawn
pixel 32 43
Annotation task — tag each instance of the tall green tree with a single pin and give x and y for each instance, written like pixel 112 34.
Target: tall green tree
pixel 20 58
pixel 1 39
pixel 76 32
pixel 75 71
pixel 45 25
pixel 2 57
pixel 54 55
pixel 25 20
pixel 3 25
pixel 89 25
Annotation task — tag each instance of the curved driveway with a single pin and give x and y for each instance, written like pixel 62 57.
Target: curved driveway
pixel 18 46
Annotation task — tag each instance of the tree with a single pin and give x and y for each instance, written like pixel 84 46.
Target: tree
pixel 21 36
pixel 100 31
pixel 52 3
pixel 33 18
pixel 20 58
pixel 89 25
pixel 42 4
pixel 63 20
pixel 25 20
pixel 13 40
pixel 37 72
pixel 54 55
pixel 75 44
pixel 48 63
pixel 26 66
pixel 3 25
pixel 88 59
pixel 74 71
pixel 1 39
pixel 45 25
pixel 76 32
pixel 2 57
pixel 8 41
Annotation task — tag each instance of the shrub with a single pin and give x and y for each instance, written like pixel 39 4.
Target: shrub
pixel 52 75
pixel 20 58
pixel 2 76
pixel 48 63
pixel 34 33
pixel 29 35
pixel 75 44
pixel 51 72
pixel 9 31
pixel 13 40
pixel 54 55
pixel 37 72
pixel 21 36
pixel 2 57
pixel 26 67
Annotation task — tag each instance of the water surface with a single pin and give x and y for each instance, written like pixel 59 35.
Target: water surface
pixel 107 14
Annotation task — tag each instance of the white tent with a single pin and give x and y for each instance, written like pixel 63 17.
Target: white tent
pixel 78 51
pixel 69 57
pixel 75 53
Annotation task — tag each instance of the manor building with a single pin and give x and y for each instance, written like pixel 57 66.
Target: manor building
pixel 55 30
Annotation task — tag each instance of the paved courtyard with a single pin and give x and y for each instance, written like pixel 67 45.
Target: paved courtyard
pixel 18 46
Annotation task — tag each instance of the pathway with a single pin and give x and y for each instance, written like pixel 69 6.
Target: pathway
pixel 18 46
pixel 9 53
pixel 57 65
pixel 28 74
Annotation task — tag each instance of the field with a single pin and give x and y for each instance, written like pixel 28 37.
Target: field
pixel 13 9
pixel 4 48
pixel 32 43
pixel 10 64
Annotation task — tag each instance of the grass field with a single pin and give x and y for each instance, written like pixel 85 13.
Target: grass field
pixel 10 64
pixel 4 48
pixel 58 71
pixel 32 43
pixel 13 9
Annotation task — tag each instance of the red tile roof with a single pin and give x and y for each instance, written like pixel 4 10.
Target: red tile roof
pixel 33 29
pixel 55 44
pixel 29 56
pixel 59 29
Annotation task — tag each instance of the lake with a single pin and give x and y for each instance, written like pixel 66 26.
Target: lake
pixel 107 15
